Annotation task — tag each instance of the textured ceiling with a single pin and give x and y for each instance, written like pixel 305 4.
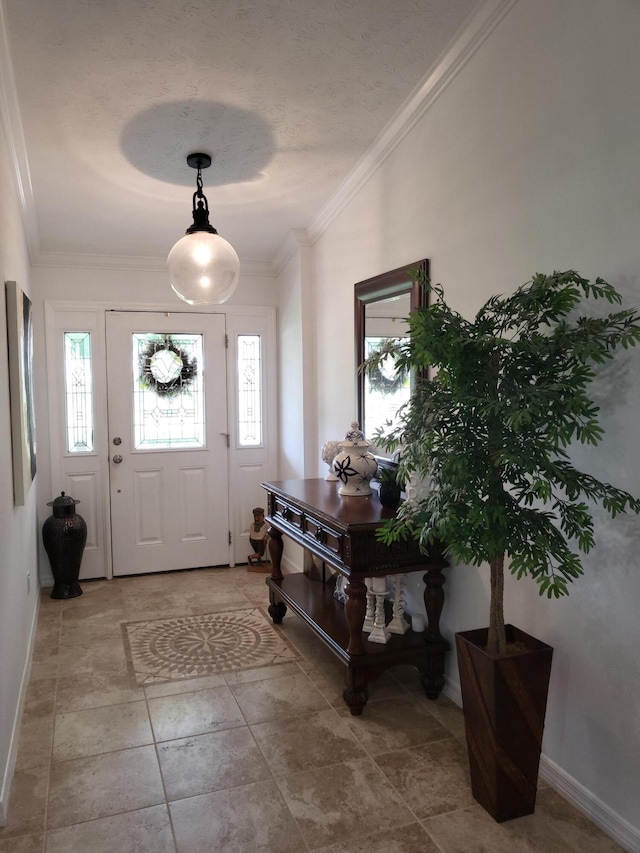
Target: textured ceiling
pixel 286 95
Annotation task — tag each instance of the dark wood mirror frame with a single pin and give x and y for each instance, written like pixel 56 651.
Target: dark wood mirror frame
pixel 393 283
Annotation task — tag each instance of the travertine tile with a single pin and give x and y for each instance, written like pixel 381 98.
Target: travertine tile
pixel 447 713
pixel 40 700
pixel 87 788
pixel 579 832
pixel 96 730
pixel 342 802
pixel 23 844
pixel 403 759
pixel 249 818
pixel 194 713
pixel 209 762
pixel 278 697
pixel 245 676
pixel 93 690
pixel 472 830
pixel 143 831
pixel 34 746
pixel 306 741
pixel 27 804
pixel 403 839
pixel 431 778
pixel 395 723
pixel 184 685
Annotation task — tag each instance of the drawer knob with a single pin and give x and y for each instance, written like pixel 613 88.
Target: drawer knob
pixel 319 534
pixel 287 514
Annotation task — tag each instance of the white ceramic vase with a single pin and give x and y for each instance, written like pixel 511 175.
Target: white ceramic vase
pixel 354 466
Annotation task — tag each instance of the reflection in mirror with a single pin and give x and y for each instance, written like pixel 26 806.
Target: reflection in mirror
pixel 382 305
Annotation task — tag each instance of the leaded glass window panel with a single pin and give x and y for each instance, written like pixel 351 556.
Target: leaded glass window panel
pixel 386 390
pixel 249 391
pixel 78 392
pixel 168 395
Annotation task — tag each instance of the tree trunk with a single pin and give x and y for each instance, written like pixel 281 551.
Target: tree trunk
pixel 497 640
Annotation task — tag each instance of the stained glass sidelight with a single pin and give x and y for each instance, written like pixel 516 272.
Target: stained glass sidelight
pixel 249 391
pixel 168 391
pixel 78 392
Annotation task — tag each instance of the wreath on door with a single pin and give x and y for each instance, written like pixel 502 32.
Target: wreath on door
pixel 166 368
pixel 384 376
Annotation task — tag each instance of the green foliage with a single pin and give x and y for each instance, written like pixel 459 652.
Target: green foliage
pixel 489 431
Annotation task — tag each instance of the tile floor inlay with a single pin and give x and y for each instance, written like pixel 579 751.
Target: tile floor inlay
pixel 207 644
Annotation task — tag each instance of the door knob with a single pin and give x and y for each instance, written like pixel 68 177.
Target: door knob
pixel 117 459
pixel 117 440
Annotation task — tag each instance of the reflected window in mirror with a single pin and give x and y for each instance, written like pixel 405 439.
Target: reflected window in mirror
pixel 382 305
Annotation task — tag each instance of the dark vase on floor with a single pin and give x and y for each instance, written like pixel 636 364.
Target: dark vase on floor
pixel 64 535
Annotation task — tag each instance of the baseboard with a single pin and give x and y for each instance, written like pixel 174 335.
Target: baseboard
pixel 611 823
pixel 9 768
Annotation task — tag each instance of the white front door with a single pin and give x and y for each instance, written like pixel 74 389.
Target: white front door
pixel 168 439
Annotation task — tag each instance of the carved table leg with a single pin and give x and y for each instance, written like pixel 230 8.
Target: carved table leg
pixel 355 694
pixel 275 553
pixel 277 609
pixel 355 609
pixel 432 673
pixel 433 602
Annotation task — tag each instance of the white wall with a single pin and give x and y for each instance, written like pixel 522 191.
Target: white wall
pixel 18 528
pixel 527 162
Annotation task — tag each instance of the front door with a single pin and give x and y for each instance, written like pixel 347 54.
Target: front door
pixel 168 439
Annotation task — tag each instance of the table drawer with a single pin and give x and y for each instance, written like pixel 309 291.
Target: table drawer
pixel 304 526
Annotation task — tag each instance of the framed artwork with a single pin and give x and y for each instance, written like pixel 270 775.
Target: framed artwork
pixel 23 432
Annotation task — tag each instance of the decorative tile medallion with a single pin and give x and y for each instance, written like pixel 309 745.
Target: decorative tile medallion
pixel 209 644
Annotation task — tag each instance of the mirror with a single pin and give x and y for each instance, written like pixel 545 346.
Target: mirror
pixel 382 304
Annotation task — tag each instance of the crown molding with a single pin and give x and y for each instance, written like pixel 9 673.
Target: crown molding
pixel 478 28
pixel 295 239
pixel 73 260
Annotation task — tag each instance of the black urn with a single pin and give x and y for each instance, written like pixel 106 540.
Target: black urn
pixel 64 535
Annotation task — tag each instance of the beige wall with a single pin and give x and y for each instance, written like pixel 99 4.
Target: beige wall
pixel 527 162
pixel 18 528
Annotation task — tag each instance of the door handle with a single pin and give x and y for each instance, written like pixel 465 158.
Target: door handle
pixel 117 458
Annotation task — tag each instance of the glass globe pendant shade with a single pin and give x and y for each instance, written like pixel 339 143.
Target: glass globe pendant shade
pixel 203 268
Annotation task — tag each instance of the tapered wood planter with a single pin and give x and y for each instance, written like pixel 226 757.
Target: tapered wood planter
pixel 504 699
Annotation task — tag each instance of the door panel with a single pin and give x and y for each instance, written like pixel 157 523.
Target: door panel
pixel 168 465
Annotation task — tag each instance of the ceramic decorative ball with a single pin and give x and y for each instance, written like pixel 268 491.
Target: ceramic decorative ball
pixel 354 466
pixel 330 450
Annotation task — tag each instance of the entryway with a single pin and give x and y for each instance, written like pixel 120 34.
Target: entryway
pixel 163 426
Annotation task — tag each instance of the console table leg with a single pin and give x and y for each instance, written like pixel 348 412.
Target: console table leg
pixel 433 602
pixel 355 694
pixel 432 676
pixel 355 609
pixel 275 553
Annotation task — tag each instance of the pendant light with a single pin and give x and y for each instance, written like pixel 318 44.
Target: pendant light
pixel 203 266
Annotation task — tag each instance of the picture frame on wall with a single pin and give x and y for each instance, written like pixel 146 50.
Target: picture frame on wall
pixel 23 431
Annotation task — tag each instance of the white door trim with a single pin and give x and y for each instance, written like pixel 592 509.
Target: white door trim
pixel 240 319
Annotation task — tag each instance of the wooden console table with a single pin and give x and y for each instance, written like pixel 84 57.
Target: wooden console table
pixel 341 532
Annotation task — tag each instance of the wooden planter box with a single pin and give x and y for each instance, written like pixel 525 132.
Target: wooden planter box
pixel 504 699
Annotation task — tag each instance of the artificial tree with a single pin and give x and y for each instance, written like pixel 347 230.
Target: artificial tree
pixel 488 430
pixel 496 403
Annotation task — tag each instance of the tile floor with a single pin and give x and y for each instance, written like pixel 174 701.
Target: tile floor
pixel 265 759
